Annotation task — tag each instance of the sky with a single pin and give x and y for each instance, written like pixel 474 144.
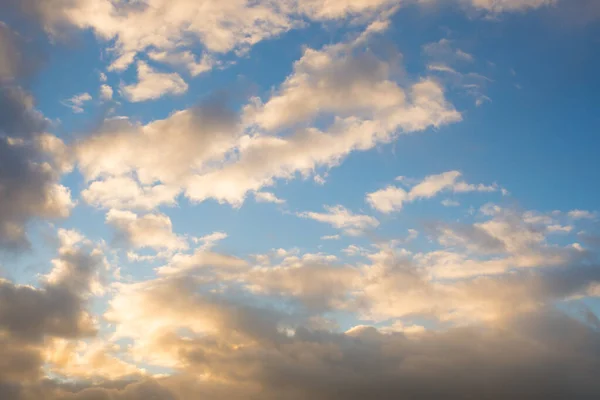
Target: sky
pixel 299 199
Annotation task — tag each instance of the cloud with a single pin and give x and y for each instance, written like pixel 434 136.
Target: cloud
pixel 126 193
pixel 312 279
pixel 469 311
pixel 450 203
pixel 326 10
pixel 212 315
pixel 147 231
pixel 76 102
pixel 449 62
pixel 58 307
pixel 211 239
pixel 514 355
pixel 106 92
pixel 267 197
pixel 444 50
pixel 392 198
pixel 341 218
pixel 186 59
pixel 202 260
pixel 581 214
pixel 387 200
pixel 11 60
pixel 218 27
pixel 89 360
pixel 197 136
pixel 344 81
pixel 151 84
pixel 234 155
pixel 498 6
pixel 28 173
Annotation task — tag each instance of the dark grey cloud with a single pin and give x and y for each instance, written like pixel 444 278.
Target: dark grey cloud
pixel 10 57
pixel 542 355
pixel 30 317
pixel 28 180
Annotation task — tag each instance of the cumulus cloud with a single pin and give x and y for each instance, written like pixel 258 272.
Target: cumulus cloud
pixel 197 137
pixel 146 231
pixel 223 163
pixel 76 102
pixel 341 218
pixel 186 59
pixel 342 80
pixel 393 198
pixel 152 84
pixel 267 197
pixel 106 92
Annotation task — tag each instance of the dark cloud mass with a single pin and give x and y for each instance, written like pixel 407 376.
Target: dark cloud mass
pixel 543 355
pixel 30 318
pixel 28 179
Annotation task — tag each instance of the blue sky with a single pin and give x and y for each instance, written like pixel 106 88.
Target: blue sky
pixel 187 187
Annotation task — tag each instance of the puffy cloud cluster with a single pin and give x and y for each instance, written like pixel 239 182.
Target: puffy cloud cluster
pixel 193 34
pixel 211 153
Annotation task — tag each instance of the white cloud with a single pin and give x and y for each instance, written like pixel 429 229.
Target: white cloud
pixel 450 203
pixel 341 218
pixel 126 193
pixel 325 10
pixel 196 137
pixel 147 231
pixel 152 85
pixel 220 27
pixel 76 102
pixel 387 200
pixel 267 197
pixel 203 260
pixel 499 6
pixel 343 80
pixel 106 92
pixel 186 59
pixel 581 214
pixel 393 198
pixel 330 237
pixel 210 240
